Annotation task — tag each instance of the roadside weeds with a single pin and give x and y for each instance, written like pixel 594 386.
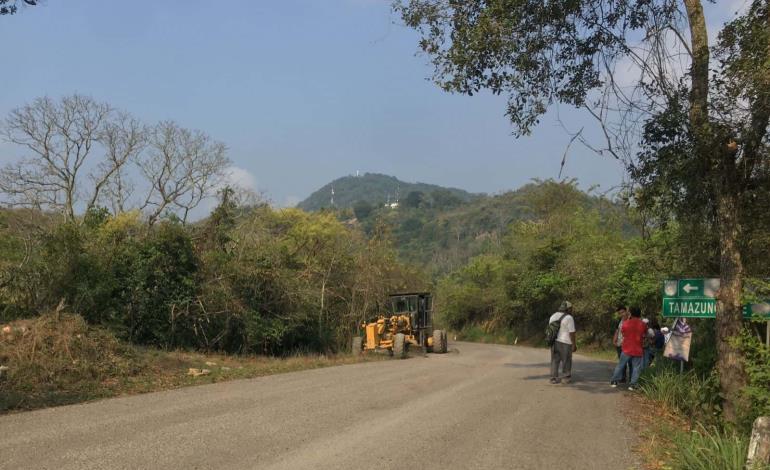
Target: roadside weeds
pixel 168 370
pixel 654 425
pixel 671 441
pixel 57 359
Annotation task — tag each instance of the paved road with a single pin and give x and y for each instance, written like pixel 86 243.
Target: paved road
pixel 483 406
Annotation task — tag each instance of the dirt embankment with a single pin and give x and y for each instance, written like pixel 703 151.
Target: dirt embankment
pixel 58 359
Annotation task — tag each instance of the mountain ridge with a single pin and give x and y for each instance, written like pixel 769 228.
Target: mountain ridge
pixel 373 188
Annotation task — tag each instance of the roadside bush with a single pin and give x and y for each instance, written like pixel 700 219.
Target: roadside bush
pixel 160 287
pixel 245 280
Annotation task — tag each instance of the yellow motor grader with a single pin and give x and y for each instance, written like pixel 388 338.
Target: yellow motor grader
pixel 407 323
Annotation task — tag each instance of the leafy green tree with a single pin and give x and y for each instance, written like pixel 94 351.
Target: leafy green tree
pixel 410 226
pixel 565 250
pixel 714 157
pixel 221 221
pixel 362 210
pixel 474 294
pixel 414 199
pixel 443 199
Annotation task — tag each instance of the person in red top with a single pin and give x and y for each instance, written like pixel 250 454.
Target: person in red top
pixel 632 348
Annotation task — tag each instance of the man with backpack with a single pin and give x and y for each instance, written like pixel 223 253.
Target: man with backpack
pixel 560 336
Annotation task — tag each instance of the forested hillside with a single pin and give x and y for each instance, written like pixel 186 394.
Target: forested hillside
pixel 504 262
pixel 374 190
pixel 440 237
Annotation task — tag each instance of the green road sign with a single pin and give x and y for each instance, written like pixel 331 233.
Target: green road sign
pixel 703 288
pixel 690 307
pixel 759 310
pixel 696 298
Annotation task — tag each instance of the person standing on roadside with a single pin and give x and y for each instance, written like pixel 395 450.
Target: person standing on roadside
pixel 634 331
pixel 565 345
pixel 653 343
pixel 617 338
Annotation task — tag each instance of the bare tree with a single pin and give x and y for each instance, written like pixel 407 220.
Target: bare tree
pixel 182 168
pixel 82 153
pixel 123 138
pixel 61 137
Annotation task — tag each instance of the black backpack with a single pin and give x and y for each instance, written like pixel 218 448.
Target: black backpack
pixel 552 330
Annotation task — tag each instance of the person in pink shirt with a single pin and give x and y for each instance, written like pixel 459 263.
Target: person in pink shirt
pixel 632 349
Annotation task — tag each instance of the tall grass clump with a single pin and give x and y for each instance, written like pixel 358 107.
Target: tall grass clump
pixel 708 449
pixel 710 443
pixel 694 396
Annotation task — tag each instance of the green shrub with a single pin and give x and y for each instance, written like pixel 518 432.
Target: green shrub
pixel 696 397
pixel 708 449
pixel 757 392
pixel 160 287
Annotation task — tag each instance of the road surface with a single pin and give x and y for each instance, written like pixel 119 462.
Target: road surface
pixel 479 407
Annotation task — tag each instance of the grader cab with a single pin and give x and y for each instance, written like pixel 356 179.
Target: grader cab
pixel 407 323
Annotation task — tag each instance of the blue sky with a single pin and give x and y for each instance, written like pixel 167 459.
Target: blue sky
pixel 301 91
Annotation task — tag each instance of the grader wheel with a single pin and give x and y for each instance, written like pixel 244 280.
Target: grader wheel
pixel 357 346
pixel 439 341
pixel 399 346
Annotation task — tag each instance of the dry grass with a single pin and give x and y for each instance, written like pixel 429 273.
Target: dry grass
pixel 58 359
pixel 654 424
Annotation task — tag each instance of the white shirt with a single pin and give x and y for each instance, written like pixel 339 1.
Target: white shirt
pixel 567 326
pixel 619 342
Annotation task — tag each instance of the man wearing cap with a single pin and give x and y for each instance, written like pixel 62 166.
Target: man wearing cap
pixel 565 344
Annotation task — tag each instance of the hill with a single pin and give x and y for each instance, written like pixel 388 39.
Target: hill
pixel 441 239
pixel 376 189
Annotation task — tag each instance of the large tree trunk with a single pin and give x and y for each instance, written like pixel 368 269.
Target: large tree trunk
pixel 732 375
pixel 721 168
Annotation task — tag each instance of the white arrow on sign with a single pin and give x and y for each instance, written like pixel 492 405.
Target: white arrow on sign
pixel 688 288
